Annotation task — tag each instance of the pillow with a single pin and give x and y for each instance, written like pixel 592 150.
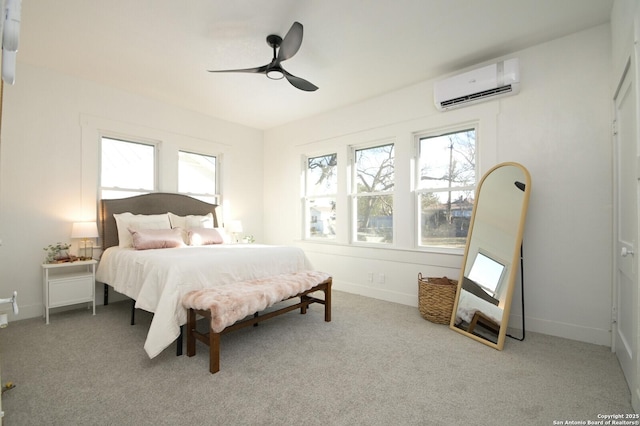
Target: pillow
pixel 226 238
pixel 191 221
pixel 144 239
pixel 127 220
pixel 204 236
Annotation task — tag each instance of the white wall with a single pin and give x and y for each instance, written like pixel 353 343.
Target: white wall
pixel 49 164
pixel 558 127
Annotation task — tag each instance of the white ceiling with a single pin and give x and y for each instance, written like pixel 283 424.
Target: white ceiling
pixel 352 49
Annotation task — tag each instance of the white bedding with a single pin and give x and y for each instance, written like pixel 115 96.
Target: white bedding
pixel 158 279
pixel 469 304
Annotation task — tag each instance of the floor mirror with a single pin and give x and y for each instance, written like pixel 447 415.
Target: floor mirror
pixel 491 259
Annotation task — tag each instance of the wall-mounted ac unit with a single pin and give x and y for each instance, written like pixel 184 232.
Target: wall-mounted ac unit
pixel 481 84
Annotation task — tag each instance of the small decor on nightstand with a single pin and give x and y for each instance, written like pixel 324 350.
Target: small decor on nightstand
pixel 85 231
pixel 58 253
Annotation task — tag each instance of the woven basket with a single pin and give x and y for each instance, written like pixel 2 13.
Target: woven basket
pixel 436 297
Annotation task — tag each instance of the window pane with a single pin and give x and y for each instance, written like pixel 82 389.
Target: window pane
pixel 196 173
pixel 374 169
pixel 321 214
pixel 374 173
pixel 321 186
pixel 374 218
pixel 448 160
pixel 445 218
pixel 322 175
pixel 127 165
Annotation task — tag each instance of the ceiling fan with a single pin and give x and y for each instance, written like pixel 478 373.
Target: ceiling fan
pixel 285 48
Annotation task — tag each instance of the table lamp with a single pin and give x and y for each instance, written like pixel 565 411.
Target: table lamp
pixel 235 228
pixel 85 231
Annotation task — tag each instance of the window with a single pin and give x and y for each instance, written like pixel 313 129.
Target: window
pixel 127 168
pixel 197 176
pixel 372 194
pixel 445 187
pixel 321 186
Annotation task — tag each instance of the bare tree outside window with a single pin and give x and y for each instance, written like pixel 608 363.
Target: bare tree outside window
pixel 321 188
pixel 446 187
pixel 374 185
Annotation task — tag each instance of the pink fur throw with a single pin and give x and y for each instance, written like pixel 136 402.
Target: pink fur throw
pixel 233 302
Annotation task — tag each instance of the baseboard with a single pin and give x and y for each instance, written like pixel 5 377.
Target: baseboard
pixel 37 311
pixel 567 331
pixel 536 325
pixel 376 293
pixel 26 312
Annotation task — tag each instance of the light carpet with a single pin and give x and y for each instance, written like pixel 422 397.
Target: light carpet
pixel 376 363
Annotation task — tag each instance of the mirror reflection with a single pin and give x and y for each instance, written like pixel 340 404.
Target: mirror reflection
pixel 490 263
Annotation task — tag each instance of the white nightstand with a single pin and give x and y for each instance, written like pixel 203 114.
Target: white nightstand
pixel 69 283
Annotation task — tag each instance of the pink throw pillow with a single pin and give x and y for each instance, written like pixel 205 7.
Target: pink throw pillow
pixel 204 236
pixel 144 239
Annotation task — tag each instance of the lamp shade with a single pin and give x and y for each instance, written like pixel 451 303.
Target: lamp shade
pixel 84 230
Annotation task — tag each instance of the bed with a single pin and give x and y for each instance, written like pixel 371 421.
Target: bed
pixel 157 278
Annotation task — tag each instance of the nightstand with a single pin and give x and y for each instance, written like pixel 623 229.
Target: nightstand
pixel 69 283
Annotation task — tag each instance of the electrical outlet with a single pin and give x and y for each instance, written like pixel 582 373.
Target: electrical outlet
pixel 381 278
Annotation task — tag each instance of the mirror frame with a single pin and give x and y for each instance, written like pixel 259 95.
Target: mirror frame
pixel 515 264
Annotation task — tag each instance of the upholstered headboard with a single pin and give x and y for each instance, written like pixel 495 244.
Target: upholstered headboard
pixel 155 203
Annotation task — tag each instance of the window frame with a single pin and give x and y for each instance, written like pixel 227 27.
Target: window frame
pixel 419 191
pixel 212 198
pixel 307 197
pixel 354 194
pixel 129 192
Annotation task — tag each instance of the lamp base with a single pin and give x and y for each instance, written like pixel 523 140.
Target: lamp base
pixel 87 250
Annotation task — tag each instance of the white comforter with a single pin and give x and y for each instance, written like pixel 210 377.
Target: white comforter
pixel 158 279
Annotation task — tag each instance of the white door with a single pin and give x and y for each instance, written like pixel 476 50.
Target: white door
pixel 626 199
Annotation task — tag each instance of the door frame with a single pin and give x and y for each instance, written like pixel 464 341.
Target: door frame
pixel 631 69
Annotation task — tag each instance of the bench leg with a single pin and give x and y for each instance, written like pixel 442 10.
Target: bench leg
pixel 179 341
pixel 214 352
pixel 191 326
pixel 327 302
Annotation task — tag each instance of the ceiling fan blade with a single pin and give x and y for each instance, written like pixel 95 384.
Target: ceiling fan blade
pixel 258 70
pixel 300 83
pixel 291 42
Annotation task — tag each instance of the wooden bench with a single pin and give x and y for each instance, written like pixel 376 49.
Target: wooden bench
pixel 229 307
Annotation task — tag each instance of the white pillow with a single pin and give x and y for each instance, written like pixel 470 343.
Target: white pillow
pixel 126 221
pixel 191 221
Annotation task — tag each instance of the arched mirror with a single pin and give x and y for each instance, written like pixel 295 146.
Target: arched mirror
pixel 492 254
